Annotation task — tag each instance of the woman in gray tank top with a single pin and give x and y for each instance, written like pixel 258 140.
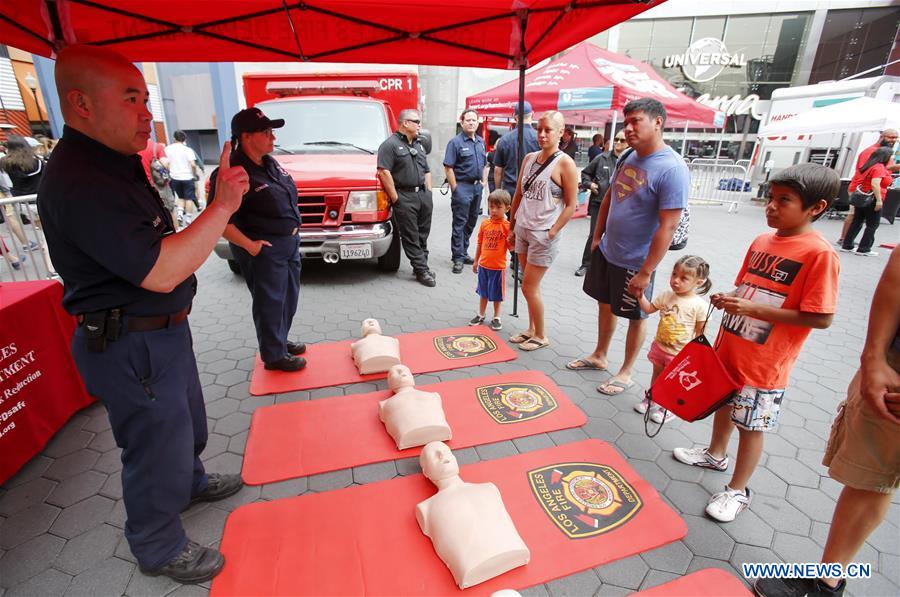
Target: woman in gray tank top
pixel 543 204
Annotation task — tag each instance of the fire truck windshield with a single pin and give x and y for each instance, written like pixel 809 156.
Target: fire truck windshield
pixel 328 126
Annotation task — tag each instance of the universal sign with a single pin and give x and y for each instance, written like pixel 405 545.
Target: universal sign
pixel 704 60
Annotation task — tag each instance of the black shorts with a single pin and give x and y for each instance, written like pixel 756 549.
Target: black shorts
pixel 608 283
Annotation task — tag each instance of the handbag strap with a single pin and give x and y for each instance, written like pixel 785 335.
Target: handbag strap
pixel 527 184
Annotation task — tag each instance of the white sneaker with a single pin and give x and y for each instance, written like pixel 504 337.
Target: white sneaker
pixel 866 254
pixel 657 416
pixel 700 457
pixel 726 505
pixel 843 250
pixel 642 406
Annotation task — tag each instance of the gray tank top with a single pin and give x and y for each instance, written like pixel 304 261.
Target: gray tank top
pixel 542 203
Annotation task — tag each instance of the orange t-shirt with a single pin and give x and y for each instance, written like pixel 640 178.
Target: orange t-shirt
pixel 796 272
pixel 492 241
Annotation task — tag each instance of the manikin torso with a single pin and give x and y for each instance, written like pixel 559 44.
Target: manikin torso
pixel 467 522
pixel 375 353
pixel 412 417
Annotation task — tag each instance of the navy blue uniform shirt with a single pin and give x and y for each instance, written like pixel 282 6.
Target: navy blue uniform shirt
pixel 467 156
pixel 104 223
pixel 505 154
pixel 406 161
pixel 270 206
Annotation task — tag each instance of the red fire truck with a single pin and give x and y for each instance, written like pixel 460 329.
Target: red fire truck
pixel 334 124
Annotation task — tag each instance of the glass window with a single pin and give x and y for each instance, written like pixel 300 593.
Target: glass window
pixel 601 39
pixel 634 39
pixel 312 126
pixel 854 40
pixel 708 27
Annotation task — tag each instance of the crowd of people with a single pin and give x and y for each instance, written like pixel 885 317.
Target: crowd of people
pixel 129 280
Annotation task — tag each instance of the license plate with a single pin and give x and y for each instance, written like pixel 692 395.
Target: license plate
pixel 359 251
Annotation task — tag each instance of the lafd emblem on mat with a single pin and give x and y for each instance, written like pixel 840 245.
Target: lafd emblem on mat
pixel 584 499
pixel 515 403
pixel 464 346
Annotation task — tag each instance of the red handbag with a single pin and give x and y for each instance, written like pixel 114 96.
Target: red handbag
pixel 692 386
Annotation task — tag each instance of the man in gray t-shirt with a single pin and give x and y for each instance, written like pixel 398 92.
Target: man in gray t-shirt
pixel 637 219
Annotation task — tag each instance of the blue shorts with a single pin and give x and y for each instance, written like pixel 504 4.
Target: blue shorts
pixel 491 284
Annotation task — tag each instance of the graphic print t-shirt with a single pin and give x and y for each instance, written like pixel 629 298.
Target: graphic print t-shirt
pixel 796 272
pixel 640 188
pixel 492 240
pixel 678 316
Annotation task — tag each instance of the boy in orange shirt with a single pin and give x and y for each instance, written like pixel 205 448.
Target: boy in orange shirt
pixel 490 257
pixel 787 286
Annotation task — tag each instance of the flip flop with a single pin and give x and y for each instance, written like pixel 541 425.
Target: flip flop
pixel 519 338
pixel 533 344
pixel 584 365
pixel 616 383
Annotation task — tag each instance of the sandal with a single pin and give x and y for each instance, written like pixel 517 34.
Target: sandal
pixel 533 344
pixel 584 365
pixel 620 386
pixel 519 338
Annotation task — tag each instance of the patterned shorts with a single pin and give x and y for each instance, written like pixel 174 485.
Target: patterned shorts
pixel 756 409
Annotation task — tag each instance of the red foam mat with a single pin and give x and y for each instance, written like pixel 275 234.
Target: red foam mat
pixel 709 582
pixel 576 506
pixel 305 438
pixel 331 363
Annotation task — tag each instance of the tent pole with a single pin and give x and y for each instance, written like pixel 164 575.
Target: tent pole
pixel 520 149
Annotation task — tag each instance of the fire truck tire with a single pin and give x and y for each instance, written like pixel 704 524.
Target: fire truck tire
pixel 234 266
pixel 390 261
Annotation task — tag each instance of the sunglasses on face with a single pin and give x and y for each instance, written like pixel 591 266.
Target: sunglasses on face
pixel 620 140
pixel 414 121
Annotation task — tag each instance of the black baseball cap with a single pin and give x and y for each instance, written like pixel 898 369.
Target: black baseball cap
pixel 252 120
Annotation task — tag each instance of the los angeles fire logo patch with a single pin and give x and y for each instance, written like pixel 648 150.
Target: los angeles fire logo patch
pixel 515 403
pixel 584 499
pixel 464 346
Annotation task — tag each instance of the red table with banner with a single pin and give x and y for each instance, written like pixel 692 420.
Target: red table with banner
pixel 40 388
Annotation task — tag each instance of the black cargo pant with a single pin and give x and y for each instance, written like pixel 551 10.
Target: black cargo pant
pixel 412 218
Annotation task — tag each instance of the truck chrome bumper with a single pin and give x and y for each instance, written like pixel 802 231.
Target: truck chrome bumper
pixel 315 242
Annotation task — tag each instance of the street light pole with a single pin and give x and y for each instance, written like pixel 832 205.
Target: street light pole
pixel 32 84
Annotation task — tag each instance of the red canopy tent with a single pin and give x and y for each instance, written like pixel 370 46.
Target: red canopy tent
pixel 589 84
pixel 485 33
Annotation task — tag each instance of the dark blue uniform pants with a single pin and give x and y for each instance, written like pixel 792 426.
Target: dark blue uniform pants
pixel 412 216
pixel 150 386
pixel 465 204
pixel 273 277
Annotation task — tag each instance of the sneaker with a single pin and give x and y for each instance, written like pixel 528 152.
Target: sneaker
pixel 195 564
pixel 581 271
pixel 218 487
pixel 843 250
pixel 866 253
pixel 726 505
pixel 32 246
pixel 477 320
pixel 18 265
pixel 496 324
pixel 700 457
pixel 796 587
pixel 642 406
pixel 657 416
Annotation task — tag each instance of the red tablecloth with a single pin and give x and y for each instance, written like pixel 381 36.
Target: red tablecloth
pixel 40 388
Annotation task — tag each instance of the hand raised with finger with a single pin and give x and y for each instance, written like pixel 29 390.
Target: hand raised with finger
pixel 232 182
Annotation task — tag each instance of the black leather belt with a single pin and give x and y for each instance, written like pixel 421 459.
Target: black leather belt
pixel 137 323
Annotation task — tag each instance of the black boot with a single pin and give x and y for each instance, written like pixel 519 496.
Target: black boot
pixel 195 564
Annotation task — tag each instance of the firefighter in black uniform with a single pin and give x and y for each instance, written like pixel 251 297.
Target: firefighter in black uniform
pixel 404 174
pixel 129 281
pixel 264 240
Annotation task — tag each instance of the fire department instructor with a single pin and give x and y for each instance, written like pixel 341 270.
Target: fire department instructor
pixel 129 280
pixel 404 174
pixel 263 238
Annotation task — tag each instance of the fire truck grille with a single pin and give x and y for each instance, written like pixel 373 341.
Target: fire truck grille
pixel 312 211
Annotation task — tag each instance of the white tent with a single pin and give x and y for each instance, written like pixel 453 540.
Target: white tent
pixel 862 114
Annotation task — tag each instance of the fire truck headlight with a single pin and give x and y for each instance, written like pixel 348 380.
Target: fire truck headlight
pixel 363 201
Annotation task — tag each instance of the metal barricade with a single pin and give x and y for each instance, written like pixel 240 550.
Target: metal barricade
pixel 23 250
pixel 719 183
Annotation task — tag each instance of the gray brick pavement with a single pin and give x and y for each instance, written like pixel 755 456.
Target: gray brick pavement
pixel 61 516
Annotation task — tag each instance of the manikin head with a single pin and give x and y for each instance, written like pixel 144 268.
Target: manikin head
pixel 438 462
pixel 370 326
pixel 399 377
